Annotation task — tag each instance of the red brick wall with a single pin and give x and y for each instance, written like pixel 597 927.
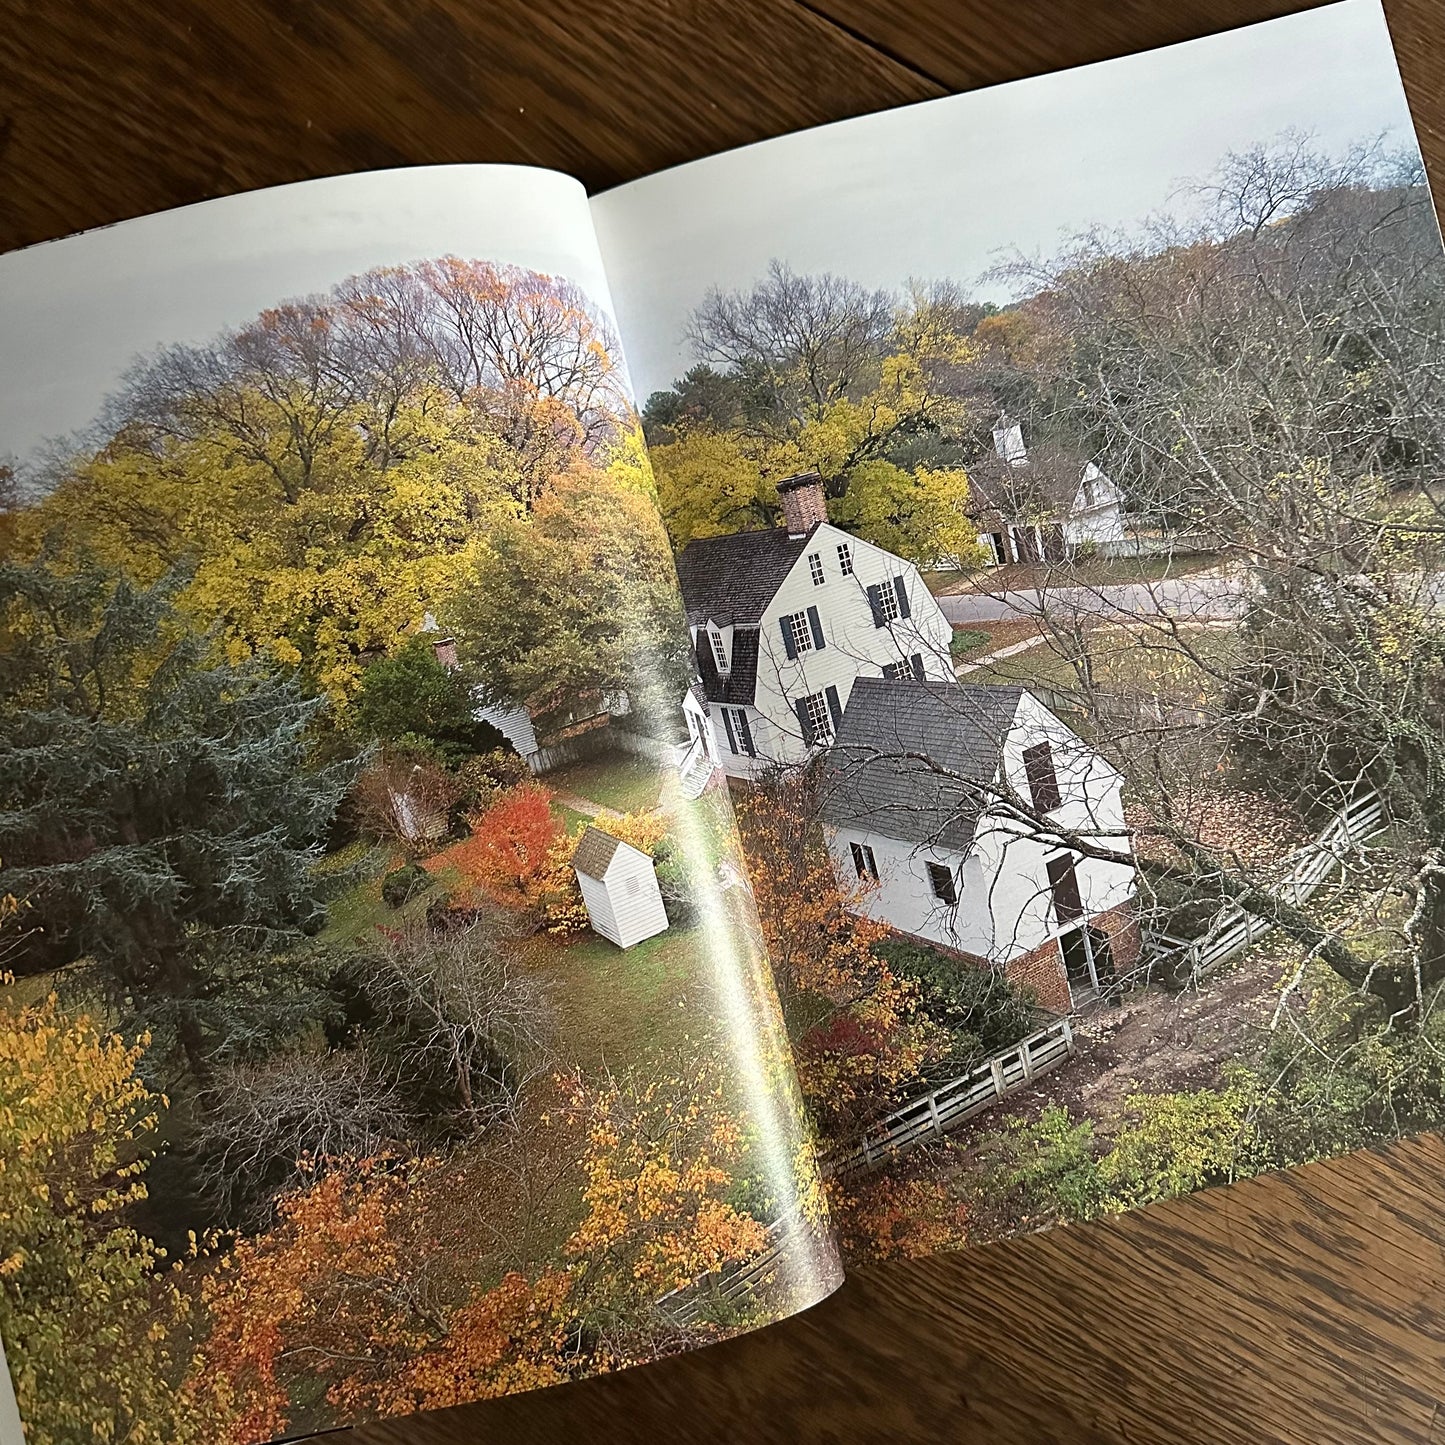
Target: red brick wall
pixel 1042 970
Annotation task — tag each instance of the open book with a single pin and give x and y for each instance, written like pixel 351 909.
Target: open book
pixel 571 766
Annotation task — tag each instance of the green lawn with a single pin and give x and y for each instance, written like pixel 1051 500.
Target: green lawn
pixel 616 780
pixel 572 820
pixel 967 641
pixel 359 908
pixel 625 1006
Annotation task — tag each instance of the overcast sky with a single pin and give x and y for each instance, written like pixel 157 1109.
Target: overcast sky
pixel 938 189
pixel 75 313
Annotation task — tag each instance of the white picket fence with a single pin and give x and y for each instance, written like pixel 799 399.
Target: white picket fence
pixel 929 1117
pixel 728 1288
pixel 1234 928
pixel 934 1115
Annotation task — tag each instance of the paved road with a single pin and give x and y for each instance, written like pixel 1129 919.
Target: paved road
pixel 1204 596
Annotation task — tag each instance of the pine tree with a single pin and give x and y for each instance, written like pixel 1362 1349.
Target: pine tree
pixel 159 815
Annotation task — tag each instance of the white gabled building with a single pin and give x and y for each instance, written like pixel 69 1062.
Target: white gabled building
pixel 619 887
pixel 1047 508
pixel 931 796
pixel 785 621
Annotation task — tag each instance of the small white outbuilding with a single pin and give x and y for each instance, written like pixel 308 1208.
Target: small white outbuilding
pixel 619 887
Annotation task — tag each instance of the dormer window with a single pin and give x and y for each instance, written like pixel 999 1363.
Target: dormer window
pixel 719 650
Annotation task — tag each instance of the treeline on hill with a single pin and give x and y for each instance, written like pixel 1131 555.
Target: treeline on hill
pixel 1262 372
pixel 219 709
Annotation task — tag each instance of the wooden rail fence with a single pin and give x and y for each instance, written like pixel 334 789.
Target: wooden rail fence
pixel 928 1117
pixel 1234 929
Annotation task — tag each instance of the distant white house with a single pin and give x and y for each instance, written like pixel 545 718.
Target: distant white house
pixel 619 887
pixel 785 621
pixel 932 797
pixel 1045 508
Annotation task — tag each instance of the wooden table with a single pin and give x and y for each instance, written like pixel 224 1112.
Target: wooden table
pixel 1305 1307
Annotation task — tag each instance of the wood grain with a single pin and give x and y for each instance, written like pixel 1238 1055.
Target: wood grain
pixel 1304 1307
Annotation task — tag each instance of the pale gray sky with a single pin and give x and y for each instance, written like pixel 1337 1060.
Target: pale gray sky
pixel 937 189
pixel 75 313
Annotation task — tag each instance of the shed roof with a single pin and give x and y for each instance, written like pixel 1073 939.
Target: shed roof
pixel 907 753
pixel 732 579
pixel 595 852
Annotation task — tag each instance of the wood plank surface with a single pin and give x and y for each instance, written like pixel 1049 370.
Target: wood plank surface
pixel 1306 1307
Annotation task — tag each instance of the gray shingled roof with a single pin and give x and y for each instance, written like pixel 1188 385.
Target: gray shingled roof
pixel 732 579
pixel 741 683
pixel 883 770
pixel 594 852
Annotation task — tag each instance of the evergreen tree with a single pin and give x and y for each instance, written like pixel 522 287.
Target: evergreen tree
pixel 159 817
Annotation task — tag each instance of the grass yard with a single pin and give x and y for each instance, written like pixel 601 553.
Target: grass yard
pixel 621 1006
pixel 571 819
pixel 358 909
pixel 615 780
pixel 968 642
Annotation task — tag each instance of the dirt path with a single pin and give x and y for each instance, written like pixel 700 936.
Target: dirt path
pixel 1158 1042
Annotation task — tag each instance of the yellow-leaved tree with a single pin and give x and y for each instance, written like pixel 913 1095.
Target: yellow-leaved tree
pixel 97 1334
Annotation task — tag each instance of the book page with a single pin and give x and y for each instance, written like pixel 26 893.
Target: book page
pixel 385 1017
pixel 1064 462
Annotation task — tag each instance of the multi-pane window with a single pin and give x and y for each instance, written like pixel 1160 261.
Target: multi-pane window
pixel 865 865
pixel 815 569
pixel 910 669
pixel 943 883
pixel 845 558
pixel 719 651
pixel 739 731
pixel 799 631
pixel 817 722
pixel 1043 780
pixel 888 603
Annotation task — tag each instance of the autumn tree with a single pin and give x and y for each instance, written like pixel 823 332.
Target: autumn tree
pixel 163 820
pixel 859 1033
pixel 865 389
pixel 334 467
pixel 510 849
pixel 97 1334
pixel 577 607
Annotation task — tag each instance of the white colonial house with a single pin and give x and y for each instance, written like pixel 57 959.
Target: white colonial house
pixel 619 887
pixel 936 807
pixel 785 621
pixel 1044 508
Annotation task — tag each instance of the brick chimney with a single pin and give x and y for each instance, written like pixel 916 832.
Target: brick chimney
pixel 803 503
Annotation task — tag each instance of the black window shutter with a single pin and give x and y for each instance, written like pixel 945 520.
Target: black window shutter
pixel 789 646
pixel 918 673
pixel 835 708
pixel 941 880
pixel 859 867
pixel 816 623
pixel 805 723
pixel 875 601
pixel 732 736
pixel 745 734
pixel 903 608
pixel 1064 881
pixel 1043 780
